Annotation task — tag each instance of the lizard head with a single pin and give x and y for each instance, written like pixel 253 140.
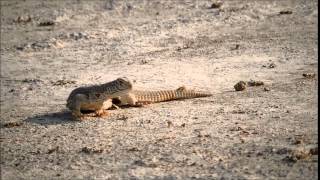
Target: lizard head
pixel 124 83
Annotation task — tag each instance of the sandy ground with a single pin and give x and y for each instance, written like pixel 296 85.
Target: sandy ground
pixel 49 48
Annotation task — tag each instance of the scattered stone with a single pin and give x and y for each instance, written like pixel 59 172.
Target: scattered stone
pixel 266 89
pixel 139 163
pixel 134 149
pixel 129 7
pixel 276 116
pixel 272 65
pixel 236 47
pixel 298 141
pixel 169 123
pixel 109 4
pixel 91 150
pixel 298 154
pixel 240 86
pixel 11 90
pixel 314 151
pixel 282 151
pixel 38 45
pixel 255 83
pixel 179 48
pixel 238 128
pixel 31 80
pixel 55 149
pixel 42 45
pixel 144 61
pixel 12 124
pixel 47 23
pixel 244 133
pixel 58 44
pixel 285 12
pixel 309 75
pixel 216 5
pixel 183 125
pixel 20 48
pixel 79 35
pixel 238 111
pixel 122 118
pixel 62 82
pixel 130 63
pixel 22 19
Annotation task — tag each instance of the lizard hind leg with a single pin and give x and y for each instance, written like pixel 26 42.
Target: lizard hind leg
pixel 182 88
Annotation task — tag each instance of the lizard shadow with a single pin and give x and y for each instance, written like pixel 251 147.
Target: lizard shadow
pixel 63 117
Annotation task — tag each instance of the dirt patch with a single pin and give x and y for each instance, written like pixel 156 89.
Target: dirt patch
pixel 264 132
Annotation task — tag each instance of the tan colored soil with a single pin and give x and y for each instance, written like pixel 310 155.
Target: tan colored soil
pixel 49 48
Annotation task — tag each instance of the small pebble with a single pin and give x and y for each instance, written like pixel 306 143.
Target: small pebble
pixel 266 89
pixel 272 65
pixel 169 123
pixel 285 12
pixel 240 86
pixel 255 83
pixel 309 75
pixel 46 23
pixel 215 5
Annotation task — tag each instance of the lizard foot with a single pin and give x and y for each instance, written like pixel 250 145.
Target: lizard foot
pixel 102 113
pixel 78 117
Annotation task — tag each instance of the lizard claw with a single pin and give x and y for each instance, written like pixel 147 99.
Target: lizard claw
pixel 78 116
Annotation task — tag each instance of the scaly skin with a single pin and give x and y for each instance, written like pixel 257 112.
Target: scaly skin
pixel 97 98
pixel 139 98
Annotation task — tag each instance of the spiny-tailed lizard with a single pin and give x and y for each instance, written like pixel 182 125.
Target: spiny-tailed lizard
pixel 97 97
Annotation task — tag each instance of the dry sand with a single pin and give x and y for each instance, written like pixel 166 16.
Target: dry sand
pixel 49 48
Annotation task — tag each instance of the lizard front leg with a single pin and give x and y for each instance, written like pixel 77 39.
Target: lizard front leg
pixel 101 113
pixel 76 109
